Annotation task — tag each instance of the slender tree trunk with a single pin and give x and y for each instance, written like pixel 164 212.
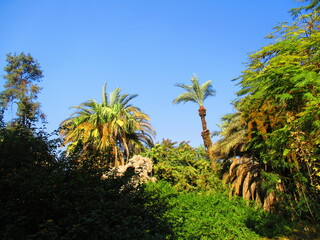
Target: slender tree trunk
pixel 202 113
pixel 206 136
pixel 205 132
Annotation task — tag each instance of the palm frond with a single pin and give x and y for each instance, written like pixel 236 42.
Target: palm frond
pixel 116 129
pixel 114 96
pixel 195 92
pixel 104 96
pixel 185 97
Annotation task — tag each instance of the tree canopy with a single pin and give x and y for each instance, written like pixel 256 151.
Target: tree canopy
pixel 195 92
pixel 279 114
pixel 113 129
pixel 22 74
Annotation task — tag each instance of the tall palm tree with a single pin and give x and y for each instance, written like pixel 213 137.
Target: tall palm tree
pixel 198 93
pixel 114 128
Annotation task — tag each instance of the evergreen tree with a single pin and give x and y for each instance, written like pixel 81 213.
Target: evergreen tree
pixel 22 75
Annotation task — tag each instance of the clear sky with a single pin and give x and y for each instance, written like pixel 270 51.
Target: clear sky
pixel 144 47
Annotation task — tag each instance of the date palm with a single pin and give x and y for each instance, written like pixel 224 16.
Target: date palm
pixel 113 129
pixel 198 93
pixel 233 138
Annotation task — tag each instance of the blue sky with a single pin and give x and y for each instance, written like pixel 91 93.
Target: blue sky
pixel 143 46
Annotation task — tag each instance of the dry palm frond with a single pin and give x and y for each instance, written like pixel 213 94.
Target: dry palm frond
pixel 245 180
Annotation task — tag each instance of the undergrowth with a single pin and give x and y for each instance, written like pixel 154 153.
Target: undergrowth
pixel 213 215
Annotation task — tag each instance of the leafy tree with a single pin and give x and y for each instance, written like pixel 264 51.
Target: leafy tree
pixel 41 198
pixel 113 129
pixel 22 74
pixel 279 113
pixel 198 93
pixel 313 5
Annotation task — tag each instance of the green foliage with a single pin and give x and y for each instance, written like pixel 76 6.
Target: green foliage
pixel 208 215
pixel 195 92
pixel 113 129
pixel 22 74
pixel 42 198
pixel 185 167
pixel 278 107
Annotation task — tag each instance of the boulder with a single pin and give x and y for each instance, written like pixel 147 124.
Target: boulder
pixel 138 169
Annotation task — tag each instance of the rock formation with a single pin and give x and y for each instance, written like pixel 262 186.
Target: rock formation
pixel 138 170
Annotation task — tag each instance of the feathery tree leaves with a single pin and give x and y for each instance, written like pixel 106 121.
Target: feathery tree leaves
pixel 313 5
pixel 279 116
pixel 113 129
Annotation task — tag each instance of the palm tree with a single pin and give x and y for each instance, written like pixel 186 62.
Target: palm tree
pixel 198 93
pixel 233 137
pixel 241 168
pixel 113 128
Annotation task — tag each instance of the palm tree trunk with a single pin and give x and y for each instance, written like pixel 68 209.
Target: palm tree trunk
pixel 205 132
pixel 206 136
pixel 202 113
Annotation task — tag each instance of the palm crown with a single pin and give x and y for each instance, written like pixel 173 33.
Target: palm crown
pixel 195 92
pixel 114 128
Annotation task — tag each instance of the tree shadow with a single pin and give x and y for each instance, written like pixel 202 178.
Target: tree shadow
pixel 62 201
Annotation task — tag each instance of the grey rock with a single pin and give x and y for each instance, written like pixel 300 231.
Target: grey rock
pixel 138 169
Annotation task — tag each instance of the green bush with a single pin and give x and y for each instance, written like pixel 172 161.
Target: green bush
pixel 185 167
pixel 76 204
pixel 209 215
pixel 45 199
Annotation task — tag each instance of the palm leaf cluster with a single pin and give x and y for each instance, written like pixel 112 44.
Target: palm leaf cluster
pixel 114 129
pixel 195 92
pixel 232 137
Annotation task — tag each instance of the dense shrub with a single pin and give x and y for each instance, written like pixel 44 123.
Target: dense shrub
pixel 185 167
pixel 213 215
pixel 45 199
pixel 75 204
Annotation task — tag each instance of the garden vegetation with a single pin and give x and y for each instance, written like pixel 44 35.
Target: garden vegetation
pixel 260 180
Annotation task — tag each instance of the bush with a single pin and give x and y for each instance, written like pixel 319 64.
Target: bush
pixel 185 167
pixel 42 197
pixel 45 199
pixel 208 215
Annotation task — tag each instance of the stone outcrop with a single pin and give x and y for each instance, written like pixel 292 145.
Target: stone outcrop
pixel 138 169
